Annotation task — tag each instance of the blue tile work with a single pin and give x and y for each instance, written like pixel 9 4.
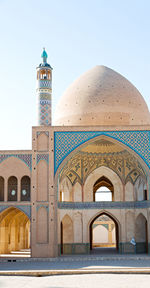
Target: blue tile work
pixel 24 208
pixel 66 142
pixel 103 205
pixel 45 112
pixel 40 157
pixel 42 132
pixel 26 158
pixel 41 205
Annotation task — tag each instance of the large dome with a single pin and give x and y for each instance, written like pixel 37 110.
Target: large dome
pixel 101 96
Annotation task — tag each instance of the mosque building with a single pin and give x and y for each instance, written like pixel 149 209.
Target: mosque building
pixel 85 184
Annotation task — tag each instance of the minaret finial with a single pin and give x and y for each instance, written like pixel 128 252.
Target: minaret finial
pixel 44 55
pixel 44 90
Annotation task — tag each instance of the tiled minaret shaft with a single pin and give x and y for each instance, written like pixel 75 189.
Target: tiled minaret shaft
pixel 44 91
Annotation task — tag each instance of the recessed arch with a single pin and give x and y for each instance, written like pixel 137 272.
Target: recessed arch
pixel 103 182
pixel 141 234
pixel 14 231
pixel 113 218
pixel 12 188
pixel 107 173
pixel 25 188
pixel 1 188
pixel 104 135
pixel 67 236
pixel 87 142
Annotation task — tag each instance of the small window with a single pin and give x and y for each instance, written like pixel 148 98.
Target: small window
pixel 1 188
pixel 25 188
pixel 12 188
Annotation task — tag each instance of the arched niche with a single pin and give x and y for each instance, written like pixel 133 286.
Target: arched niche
pixel 116 223
pixel 130 226
pixel 141 234
pixel 67 235
pixel 25 188
pixel 14 230
pixel 42 225
pixel 12 188
pixel 1 188
pixel 77 192
pixel 140 189
pixel 129 191
pixel 65 190
pixel 78 227
pixel 42 142
pixel 103 182
pixel 97 174
pixel 42 181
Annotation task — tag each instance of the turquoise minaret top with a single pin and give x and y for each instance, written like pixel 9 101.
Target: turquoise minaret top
pixel 44 90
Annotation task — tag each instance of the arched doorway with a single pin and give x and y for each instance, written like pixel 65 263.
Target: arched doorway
pixel 14 233
pixel 104 234
pixel 103 190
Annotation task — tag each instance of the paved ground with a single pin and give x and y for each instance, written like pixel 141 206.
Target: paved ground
pixel 75 263
pixel 78 263
pixel 77 281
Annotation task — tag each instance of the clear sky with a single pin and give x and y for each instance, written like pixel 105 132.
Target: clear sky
pixel 77 34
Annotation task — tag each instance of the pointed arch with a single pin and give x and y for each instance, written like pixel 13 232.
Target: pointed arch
pixel 14 230
pixel 103 182
pixel 65 190
pixel 129 191
pixel 141 234
pixel 103 135
pixel 113 218
pixel 42 181
pixel 42 142
pixel 12 188
pixel 1 188
pixel 77 192
pixel 97 174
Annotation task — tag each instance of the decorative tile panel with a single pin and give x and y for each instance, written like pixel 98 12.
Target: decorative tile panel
pixel 42 205
pixel 24 208
pixel 66 142
pixel 103 205
pixel 26 158
pixel 42 132
pixel 44 84
pixel 40 157
pixel 45 112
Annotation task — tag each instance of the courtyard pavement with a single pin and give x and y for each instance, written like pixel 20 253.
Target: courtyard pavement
pixel 79 264
pixel 87 271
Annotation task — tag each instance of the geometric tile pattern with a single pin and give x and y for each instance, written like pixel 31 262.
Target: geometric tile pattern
pixel 44 84
pixel 41 205
pixel 40 157
pixel 45 112
pixel 82 164
pixel 103 205
pixel 66 142
pixel 26 158
pixel 42 132
pixel 24 208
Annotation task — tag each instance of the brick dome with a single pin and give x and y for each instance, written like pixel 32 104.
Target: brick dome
pixel 101 96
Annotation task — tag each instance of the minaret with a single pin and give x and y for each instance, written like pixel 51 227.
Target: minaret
pixel 44 90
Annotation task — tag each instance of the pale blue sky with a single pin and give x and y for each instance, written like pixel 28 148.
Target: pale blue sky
pixel 77 34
